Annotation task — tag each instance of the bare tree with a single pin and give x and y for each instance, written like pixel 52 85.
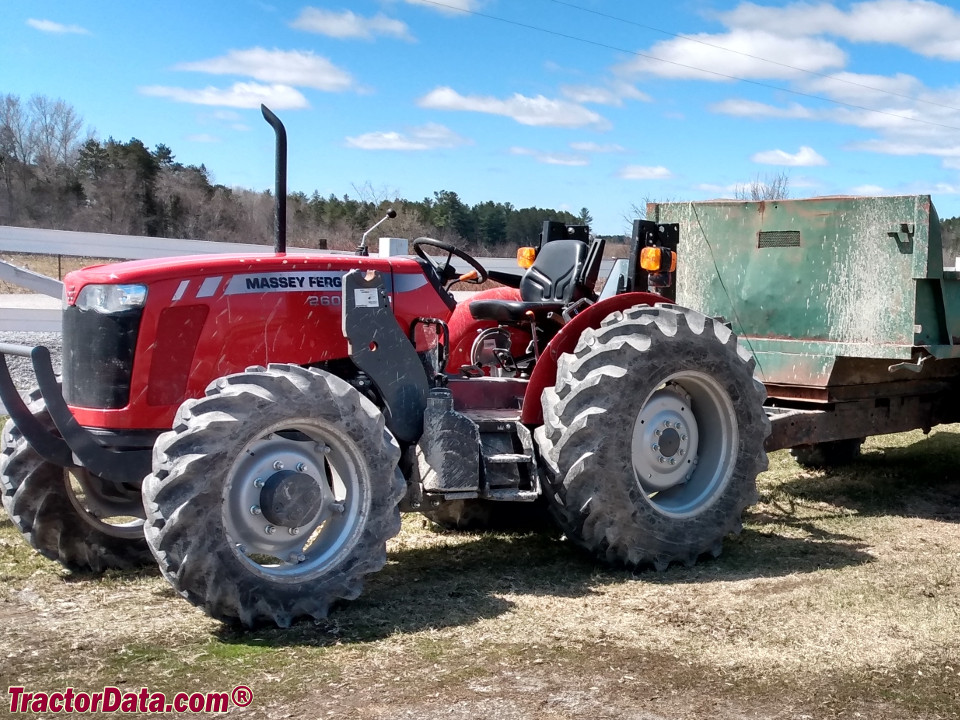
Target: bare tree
pixel 775 187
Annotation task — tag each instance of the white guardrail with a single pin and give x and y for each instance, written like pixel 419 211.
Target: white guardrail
pixel 40 311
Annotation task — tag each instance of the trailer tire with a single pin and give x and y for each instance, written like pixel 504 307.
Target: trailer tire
pixel 50 506
pixel 479 514
pixel 653 437
pixel 237 531
pixel 834 453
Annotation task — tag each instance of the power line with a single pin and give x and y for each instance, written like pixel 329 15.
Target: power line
pixel 647 56
pixel 681 36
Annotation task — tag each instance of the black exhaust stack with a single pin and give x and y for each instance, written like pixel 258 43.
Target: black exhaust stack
pixel 280 214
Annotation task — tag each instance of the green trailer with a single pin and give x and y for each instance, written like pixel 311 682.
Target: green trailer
pixel 845 302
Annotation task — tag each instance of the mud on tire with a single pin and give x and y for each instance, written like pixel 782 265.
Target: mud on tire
pixel 212 472
pixel 653 437
pixel 68 514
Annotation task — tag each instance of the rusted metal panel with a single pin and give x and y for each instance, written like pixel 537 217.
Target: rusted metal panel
pixel 805 282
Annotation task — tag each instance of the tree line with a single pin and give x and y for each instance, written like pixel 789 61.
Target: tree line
pixel 57 175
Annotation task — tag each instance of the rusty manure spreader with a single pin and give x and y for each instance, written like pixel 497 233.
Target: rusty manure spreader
pixel 256 423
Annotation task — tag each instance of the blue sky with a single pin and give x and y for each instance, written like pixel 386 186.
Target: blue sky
pixel 587 103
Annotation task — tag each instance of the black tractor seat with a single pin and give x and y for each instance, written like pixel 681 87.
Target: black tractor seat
pixel 563 272
pixel 513 311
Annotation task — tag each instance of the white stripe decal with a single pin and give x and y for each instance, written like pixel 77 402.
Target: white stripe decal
pixel 209 286
pixel 181 289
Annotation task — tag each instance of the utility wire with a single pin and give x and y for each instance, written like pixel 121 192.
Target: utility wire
pixel 680 36
pixel 757 83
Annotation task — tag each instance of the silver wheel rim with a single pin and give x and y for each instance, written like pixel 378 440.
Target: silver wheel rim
pixel 684 444
pixel 119 515
pixel 284 553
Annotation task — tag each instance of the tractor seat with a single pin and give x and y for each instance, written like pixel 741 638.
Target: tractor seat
pixel 548 286
pixel 513 311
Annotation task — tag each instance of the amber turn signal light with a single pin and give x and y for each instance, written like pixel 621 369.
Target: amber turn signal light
pixel 526 256
pixel 654 259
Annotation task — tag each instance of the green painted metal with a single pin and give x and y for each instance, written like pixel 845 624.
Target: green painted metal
pixel 805 282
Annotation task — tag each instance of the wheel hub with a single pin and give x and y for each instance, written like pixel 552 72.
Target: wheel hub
pixel 291 499
pixel 665 440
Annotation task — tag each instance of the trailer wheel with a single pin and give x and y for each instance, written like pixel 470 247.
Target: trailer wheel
pixel 653 437
pixel 68 514
pixel 828 454
pixel 479 514
pixel 273 495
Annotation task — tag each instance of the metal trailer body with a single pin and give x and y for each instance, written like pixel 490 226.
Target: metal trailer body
pixel 843 301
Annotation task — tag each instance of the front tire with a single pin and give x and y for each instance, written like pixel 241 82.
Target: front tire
pixel 273 496
pixel 68 514
pixel 653 437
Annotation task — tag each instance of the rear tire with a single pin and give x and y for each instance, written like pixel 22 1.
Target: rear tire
pixel 221 540
pixel 68 514
pixel 653 437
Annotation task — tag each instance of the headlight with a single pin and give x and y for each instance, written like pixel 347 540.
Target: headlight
pixel 111 298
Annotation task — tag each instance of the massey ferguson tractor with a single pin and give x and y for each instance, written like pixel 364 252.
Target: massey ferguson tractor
pixel 257 423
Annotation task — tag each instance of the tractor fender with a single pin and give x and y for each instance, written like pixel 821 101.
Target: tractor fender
pixel 545 372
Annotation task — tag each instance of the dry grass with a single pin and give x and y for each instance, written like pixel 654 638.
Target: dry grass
pixel 840 599
pixel 55 266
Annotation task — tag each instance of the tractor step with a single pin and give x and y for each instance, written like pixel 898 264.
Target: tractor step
pixel 506 458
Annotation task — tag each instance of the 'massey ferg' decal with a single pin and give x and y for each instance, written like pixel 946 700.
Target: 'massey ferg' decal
pixel 330 281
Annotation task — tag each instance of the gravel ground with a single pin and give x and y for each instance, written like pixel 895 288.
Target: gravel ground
pixel 20 368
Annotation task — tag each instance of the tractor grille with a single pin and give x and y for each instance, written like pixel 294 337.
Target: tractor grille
pixel 98 352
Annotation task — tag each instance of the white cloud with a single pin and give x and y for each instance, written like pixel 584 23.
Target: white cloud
pixel 447 6
pixel 805 157
pixel 711 59
pixel 868 190
pixel 203 138
pixel 538 111
pixel 713 188
pixel 925 27
pixel 593 147
pixel 278 67
pixel 751 108
pixel 49 26
pixel 431 136
pixel 347 24
pixel 239 95
pixel 642 172
pixel 551 158
pixel 598 95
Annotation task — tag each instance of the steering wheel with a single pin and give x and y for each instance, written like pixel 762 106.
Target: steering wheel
pixel 448 273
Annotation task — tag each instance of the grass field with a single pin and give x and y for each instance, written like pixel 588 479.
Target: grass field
pixel 841 599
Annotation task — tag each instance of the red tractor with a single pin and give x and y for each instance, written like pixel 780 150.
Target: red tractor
pixel 256 423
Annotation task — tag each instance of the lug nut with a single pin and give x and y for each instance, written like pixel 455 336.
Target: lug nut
pixel 294 531
pixel 657 432
pixel 656 448
pixel 662 459
pixel 301 467
pixel 255 510
pixel 269 529
pixel 666 423
pixel 682 451
pixel 673 461
pixel 258 483
pixel 278 465
pixel 678 426
pixel 683 437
